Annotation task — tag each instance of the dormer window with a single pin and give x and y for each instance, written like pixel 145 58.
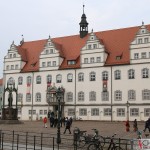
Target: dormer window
pixel 92 59
pixel 51 51
pixel 136 56
pixel 118 57
pixel 7 67
pixel 71 62
pixel 43 64
pixel 49 63
pixel 47 51
pixel 139 41
pixel 145 40
pixel 10 55
pixel 16 66
pixel 14 55
pixel 143 55
pixel 89 46
pixel 54 63
pixel 12 67
pixel 94 46
pixel 92 37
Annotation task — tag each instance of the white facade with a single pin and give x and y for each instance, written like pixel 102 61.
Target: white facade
pixel 96 91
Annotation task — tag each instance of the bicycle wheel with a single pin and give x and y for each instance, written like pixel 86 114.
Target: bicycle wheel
pixel 102 141
pixel 118 148
pixel 94 146
pixel 81 142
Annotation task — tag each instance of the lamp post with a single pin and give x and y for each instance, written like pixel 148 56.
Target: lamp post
pixel 59 94
pixel 128 104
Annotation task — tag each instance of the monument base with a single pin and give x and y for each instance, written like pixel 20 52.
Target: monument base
pixel 10 122
pixel 9 113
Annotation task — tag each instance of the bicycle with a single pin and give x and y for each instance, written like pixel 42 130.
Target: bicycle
pixel 112 145
pixel 87 139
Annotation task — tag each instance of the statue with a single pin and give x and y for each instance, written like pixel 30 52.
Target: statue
pixel 10 99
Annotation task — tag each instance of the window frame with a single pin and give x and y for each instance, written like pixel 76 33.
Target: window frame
pixel 134 112
pixel 81 96
pixel 38 97
pixel 92 76
pixel 82 111
pixel 131 74
pixel 92 96
pixel 105 75
pixel 120 112
pixel 118 95
pixel 117 74
pixel 38 79
pixel 131 95
pixel 58 78
pixel 69 77
pixel 69 97
pixel 95 112
pixel 145 73
pixel 80 77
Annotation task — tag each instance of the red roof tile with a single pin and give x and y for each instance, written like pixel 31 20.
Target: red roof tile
pixel 116 42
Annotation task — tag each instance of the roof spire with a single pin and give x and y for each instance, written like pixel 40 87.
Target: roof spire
pixel 83 8
pixel 142 23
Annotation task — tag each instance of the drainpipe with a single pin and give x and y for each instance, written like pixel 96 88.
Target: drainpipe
pixel 32 97
pixel 75 92
pixel 111 97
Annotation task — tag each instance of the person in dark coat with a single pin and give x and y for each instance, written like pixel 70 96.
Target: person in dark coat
pixel 127 126
pixel 147 125
pixel 55 121
pixel 51 121
pixel 135 127
pixel 68 124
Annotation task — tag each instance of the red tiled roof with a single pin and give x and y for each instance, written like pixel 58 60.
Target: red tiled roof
pixel 1 82
pixel 116 43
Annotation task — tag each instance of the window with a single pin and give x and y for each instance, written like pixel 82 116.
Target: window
pixel 49 63
pixel 94 46
pixel 69 97
pixel 131 95
pixel 94 112
pixel 146 94
pixel 19 110
pixel 29 112
pixel 146 40
pixel 117 75
pixel 145 73
pixel 83 112
pixel 58 78
pixel 12 67
pixel 92 76
pixel 28 80
pixel 41 112
pixel 16 66
pixel 69 77
pixel 92 96
pixel 131 74
pixel 71 112
pixel 98 59
pixel 28 97
pixel 20 80
pixel 118 57
pixel 105 96
pixel 49 78
pixel 136 56
pixel 20 97
pixel 139 41
pixel 92 59
pixel 107 111
pixel 80 77
pixel 89 47
pixel 7 67
pixel 54 63
pixel 38 97
pixel 134 112
pixel 146 112
pixel 34 112
pixel 51 51
pixel 104 75
pixel 11 80
pixel 38 80
pixel 10 55
pixel 86 60
pixel 47 51
pixel 143 55
pixel 43 64
pixel 118 95
pixel 120 112
pixel 71 62
pixel 45 112
pixel 81 96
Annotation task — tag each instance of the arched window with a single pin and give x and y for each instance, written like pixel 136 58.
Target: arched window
pixel 131 74
pixel 20 80
pixel 145 73
pixel 117 74
pixel 104 75
pixel 58 78
pixel 118 95
pixel 38 80
pixel 92 76
pixel 92 96
pixel 29 80
pixel 81 96
pixel 69 77
pixel 11 80
pixel 131 95
pixel 49 78
pixel 69 96
pixel 38 97
pixel 80 77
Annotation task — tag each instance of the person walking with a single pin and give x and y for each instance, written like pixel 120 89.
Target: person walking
pixel 135 127
pixel 45 122
pixel 127 126
pixel 68 124
pixel 147 125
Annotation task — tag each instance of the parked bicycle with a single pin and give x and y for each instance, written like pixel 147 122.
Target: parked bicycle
pixel 112 145
pixel 88 139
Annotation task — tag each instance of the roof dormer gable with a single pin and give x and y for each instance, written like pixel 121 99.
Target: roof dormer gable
pixel 142 30
pixel 13 48
pixel 92 37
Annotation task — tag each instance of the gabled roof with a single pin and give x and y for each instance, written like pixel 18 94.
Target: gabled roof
pixel 116 42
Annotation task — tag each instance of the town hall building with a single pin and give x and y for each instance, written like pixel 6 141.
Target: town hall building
pixel 104 75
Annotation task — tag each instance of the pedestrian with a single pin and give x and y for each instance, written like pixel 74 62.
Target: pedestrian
pixel 71 121
pixel 147 125
pixel 67 126
pixel 55 121
pixel 45 122
pixel 127 126
pixel 51 121
pixel 135 127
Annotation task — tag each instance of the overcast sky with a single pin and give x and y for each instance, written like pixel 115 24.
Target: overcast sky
pixel 37 19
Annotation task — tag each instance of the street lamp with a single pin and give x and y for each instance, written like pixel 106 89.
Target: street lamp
pixel 59 96
pixel 128 104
